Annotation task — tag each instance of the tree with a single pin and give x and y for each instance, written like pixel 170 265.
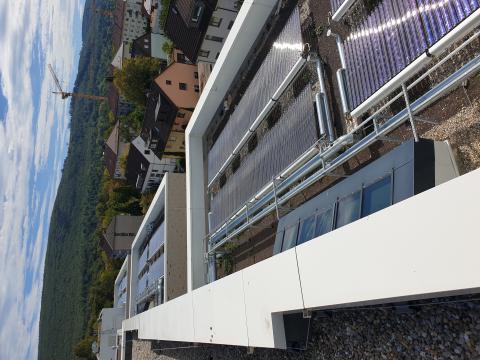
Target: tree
pixel 134 79
pixel 83 349
pixel 167 47
pixel 131 124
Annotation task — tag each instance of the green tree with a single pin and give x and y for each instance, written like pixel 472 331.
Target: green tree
pixel 131 124
pixel 134 79
pixel 167 47
pixel 83 349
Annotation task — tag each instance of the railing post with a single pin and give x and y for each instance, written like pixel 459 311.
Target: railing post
pixel 410 114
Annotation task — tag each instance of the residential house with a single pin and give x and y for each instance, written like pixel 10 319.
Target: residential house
pixel 120 233
pixel 114 153
pixel 144 169
pixel 186 24
pixel 200 29
pixel 150 45
pixel 170 103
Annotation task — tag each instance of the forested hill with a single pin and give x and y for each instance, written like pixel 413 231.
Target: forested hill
pixel 73 256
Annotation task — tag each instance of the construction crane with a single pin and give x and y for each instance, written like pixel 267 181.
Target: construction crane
pixel 66 95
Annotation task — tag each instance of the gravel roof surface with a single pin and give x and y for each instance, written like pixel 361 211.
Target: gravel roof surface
pixel 449 330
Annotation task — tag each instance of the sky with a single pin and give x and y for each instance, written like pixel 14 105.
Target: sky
pixel 34 133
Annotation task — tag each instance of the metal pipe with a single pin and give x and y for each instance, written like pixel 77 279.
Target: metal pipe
pixel 341 51
pixel 325 122
pixel 341 78
pixel 342 87
pixel 320 114
pixel 212 267
pixel 428 98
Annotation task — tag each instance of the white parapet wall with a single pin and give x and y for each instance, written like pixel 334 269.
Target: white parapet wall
pixel 426 246
pixel 248 25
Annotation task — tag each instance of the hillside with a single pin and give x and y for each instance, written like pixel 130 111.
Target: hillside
pixel 73 257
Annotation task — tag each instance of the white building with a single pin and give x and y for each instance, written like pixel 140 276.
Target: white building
pixel 144 169
pixel 158 261
pixel 220 24
pixel 134 21
pixel 384 244
pixel 109 322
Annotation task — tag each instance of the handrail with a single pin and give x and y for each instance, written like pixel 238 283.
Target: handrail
pixel 239 224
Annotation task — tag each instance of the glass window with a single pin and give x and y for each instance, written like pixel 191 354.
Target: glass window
pixel 348 210
pixel 213 38
pixel 215 21
pixel 324 222
pixel 230 25
pixel 168 82
pixel 307 230
pixel 204 53
pixel 377 196
pixel 182 86
pixel 290 237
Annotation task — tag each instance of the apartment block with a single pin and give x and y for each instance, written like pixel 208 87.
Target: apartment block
pixel 158 255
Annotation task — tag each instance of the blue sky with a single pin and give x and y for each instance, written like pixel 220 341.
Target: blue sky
pixel 33 139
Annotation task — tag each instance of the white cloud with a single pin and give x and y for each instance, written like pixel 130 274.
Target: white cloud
pixel 33 138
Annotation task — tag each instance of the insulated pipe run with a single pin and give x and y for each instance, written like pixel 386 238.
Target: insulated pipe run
pixel 341 51
pixel 237 226
pixel 341 78
pixel 342 86
pixel 321 100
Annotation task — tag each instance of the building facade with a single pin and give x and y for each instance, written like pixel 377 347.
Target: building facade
pixel 219 26
pixel 158 256
pixel 144 169
pixel 120 234
pixel 135 21
pixel 170 103
pixel 115 153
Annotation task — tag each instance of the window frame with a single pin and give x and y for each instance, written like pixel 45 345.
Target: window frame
pixel 391 184
pixel 337 207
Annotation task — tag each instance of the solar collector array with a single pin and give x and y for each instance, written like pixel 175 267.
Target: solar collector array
pixel 392 36
pixel 279 61
pixel 293 134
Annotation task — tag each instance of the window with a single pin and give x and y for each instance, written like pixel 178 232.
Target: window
pixel 180 115
pixel 197 88
pixel 230 24
pixel 215 21
pixel 214 38
pixel 204 53
pixel 290 237
pixel 377 196
pixel 181 58
pixel 147 152
pixel 168 82
pixel 307 230
pixel 195 75
pixel 216 56
pixel 324 223
pixel 182 86
pixel 348 209
pixel 197 12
